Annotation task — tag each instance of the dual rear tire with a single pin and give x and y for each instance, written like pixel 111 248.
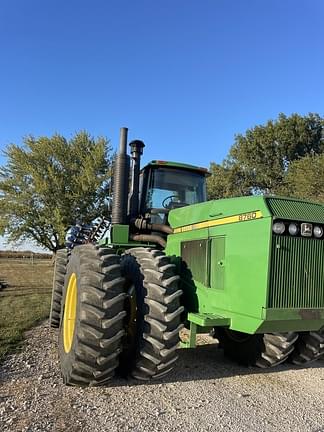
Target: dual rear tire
pixel 118 313
pixel 152 333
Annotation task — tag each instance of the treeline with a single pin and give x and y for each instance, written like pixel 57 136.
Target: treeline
pixel 24 255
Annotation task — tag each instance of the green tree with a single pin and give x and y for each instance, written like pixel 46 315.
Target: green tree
pixel 305 179
pixel 261 157
pixel 225 182
pixel 49 183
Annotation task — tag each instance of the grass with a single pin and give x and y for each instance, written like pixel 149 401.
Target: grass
pixel 25 301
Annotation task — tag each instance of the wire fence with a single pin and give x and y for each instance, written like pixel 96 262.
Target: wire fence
pixel 25 276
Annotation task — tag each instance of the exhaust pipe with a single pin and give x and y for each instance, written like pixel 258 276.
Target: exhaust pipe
pixel 136 152
pixel 121 178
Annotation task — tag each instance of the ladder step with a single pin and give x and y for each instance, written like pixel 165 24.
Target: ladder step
pixel 208 320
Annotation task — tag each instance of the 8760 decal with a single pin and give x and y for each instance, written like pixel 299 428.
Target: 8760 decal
pixel 247 216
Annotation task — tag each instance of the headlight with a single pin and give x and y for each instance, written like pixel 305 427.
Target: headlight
pixel 318 231
pixel 293 229
pixel 278 228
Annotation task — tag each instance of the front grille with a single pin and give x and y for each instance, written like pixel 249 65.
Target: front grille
pixel 296 210
pixel 296 273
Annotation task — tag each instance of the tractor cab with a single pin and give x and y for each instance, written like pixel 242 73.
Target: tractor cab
pixel 144 197
pixel 169 185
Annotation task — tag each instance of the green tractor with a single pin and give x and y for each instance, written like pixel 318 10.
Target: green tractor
pixel 250 270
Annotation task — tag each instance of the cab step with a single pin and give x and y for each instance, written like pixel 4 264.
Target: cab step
pixel 202 323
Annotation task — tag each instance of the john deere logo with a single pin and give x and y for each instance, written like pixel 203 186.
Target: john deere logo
pixel 306 229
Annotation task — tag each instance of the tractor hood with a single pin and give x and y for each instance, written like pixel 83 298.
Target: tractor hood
pixel 231 210
pixel 218 209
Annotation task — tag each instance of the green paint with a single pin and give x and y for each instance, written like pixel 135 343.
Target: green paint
pixel 208 320
pixel 235 272
pixel 200 323
pixel 290 208
pixel 242 265
pixel 217 209
pixel 217 257
pixel 120 234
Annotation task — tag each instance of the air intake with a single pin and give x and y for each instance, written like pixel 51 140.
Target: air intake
pixel 296 210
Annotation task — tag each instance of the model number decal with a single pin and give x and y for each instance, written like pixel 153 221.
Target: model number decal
pixel 247 216
pixel 257 214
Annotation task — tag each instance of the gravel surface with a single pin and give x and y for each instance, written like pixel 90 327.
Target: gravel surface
pixel 204 393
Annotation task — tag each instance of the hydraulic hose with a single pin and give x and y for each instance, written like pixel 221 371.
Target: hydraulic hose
pixel 149 238
pixel 143 224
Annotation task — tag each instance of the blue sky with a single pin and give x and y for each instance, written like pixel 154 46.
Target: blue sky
pixel 184 75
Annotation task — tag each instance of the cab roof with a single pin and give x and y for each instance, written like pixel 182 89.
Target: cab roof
pixel 156 163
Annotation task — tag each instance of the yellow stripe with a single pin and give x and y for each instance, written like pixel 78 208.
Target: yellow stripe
pixel 243 217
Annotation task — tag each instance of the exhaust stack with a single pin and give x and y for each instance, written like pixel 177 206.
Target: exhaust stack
pixel 121 178
pixel 136 152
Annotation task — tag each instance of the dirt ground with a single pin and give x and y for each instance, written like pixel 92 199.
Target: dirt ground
pixel 205 392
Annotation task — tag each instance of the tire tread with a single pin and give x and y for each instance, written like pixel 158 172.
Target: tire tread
pixel 156 350
pixel 100 327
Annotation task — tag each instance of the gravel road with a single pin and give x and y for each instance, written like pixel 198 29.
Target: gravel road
pixel 203 393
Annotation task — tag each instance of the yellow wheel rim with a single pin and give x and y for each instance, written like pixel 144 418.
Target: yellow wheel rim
pixel 70 313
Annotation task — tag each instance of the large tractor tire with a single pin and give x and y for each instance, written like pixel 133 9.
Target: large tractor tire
pixel 58 284
pixel 91 327
pixel 309 347
pixel 262 350
pixel 153 324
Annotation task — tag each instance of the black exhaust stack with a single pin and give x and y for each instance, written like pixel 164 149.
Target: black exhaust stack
pixel 121 178
pixel 136 152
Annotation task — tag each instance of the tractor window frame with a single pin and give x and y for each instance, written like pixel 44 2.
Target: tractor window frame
pixel 146 180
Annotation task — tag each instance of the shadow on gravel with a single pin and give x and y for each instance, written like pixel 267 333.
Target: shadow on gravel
pixel 208 363
pixel 204 363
